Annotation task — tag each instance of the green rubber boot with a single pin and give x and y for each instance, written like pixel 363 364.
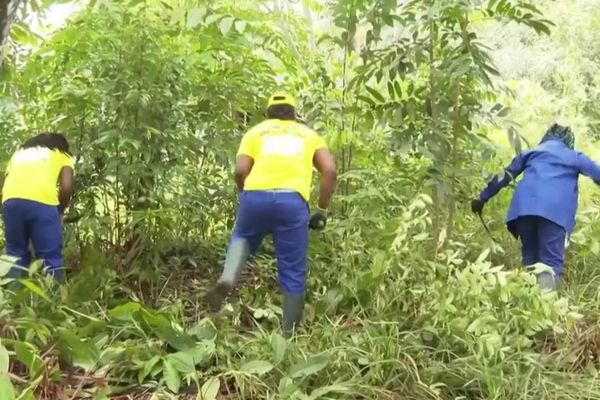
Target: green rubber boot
pixel 235 261
pixel 547 281
pixel 544 274
pixel 293 308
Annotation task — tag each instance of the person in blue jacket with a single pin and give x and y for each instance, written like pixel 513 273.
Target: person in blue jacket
pixel 542 210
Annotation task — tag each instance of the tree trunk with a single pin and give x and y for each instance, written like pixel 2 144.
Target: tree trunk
pixel 8 9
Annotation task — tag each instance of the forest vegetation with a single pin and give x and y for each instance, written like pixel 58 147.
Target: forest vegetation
pixel 409 297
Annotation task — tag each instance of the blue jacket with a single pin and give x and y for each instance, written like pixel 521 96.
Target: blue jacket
pixel 549 186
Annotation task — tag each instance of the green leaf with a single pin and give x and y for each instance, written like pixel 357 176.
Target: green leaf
pixel 124 312
pixel 33 288
pixel 29 394
pixel 391 90
pixel 195 17
pixel 21 33
pixel 210 389
pixel 26 354
pixel 366 99
pixel 225 25
pixel 176 339
pixel 84 354
pixel 7 391
pixel 504 112
pixel 182 361
pixel 540 27
pixel 257 367
pixel 240 26
pixel 398 89
pixel 317 393
pixel 6 263
pixel 308 367
pixel 279 346
pixel 4 360
pixel 375 93
pixel 204 330
pixel 171 377
pixel 148 366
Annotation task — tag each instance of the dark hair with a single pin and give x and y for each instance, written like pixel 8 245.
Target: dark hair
pixel 52 141
pixel 282 111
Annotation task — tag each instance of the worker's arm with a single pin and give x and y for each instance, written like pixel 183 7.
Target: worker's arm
pixel 507 175
pixel 324 163
pixel 588 167
pixel 243 166
pixel 66 188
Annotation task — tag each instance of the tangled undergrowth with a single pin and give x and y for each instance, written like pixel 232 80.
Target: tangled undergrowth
pixel 408 298
pixel 401 327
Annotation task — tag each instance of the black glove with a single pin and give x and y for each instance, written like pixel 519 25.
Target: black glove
pixel 477 206
pixel 318 220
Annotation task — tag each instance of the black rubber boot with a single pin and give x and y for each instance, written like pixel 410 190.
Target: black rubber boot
pixel 217 295
pixel 293 308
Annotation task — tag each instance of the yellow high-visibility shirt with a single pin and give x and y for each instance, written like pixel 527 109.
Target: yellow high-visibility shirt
pixel 32 174
pixel 283 154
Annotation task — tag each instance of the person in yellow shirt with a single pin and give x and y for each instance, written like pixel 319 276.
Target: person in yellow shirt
pixel 37 189
pixel 273 174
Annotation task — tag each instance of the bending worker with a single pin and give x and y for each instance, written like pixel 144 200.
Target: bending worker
pixel 273 175
pixel 542 211
pixel 37 190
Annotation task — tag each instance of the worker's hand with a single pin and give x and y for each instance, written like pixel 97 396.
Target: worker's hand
pixel 477 206
pixel 318 220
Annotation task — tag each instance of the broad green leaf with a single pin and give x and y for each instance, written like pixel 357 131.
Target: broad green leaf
pixel 210 389
pixel 26 354
pixel 204 330
pixel 339 388
pixel 279 346
pixel 225 25
pixel 22 34
pixel 257 367
pixel 29 394
pixel 33 288
pixel 84 354
pixel 176 339
pixel 156 319
pixel 483 256
pixel 195 17
pixel 240 26
pixel 171 377
pixel 202 351
pixel 308 367
pixel 182 361
pixel 4 360
pixel 124 312
pixel 148 366
pixel 7 391
pixel 6 263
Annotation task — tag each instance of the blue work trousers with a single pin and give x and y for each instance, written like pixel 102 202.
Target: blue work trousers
pixel 285 216
pixel 542 241
pixel 28 221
